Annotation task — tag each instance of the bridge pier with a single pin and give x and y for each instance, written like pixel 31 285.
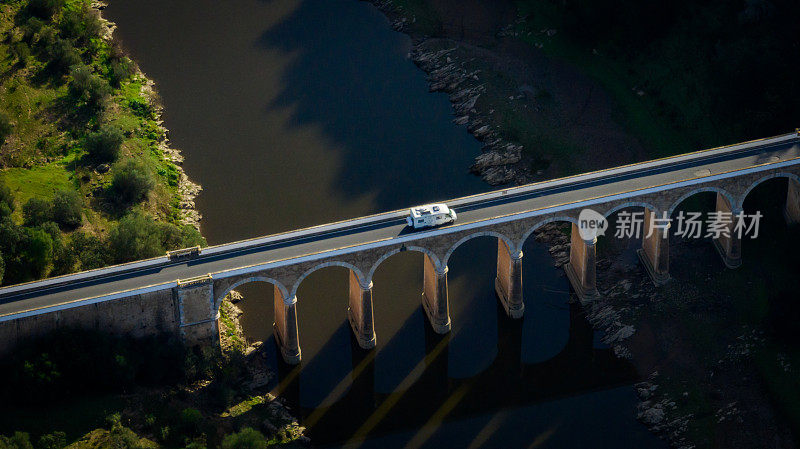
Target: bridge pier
pixel 359 312
pixel 654 253
pixel 508 283
pixel 285 327
pixel 729 247
pixel 581 268
pixel 791 212
pixel 434 297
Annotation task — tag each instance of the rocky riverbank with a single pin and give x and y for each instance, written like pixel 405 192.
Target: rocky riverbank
pixel 187 190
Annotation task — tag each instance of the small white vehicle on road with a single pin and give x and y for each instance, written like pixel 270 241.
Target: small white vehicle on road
pixel 430 215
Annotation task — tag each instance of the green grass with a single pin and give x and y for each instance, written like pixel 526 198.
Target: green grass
pixel 37 182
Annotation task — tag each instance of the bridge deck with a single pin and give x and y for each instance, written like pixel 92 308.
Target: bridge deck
pixel 389 227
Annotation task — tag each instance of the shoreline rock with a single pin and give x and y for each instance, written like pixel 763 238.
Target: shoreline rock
pixel 501 161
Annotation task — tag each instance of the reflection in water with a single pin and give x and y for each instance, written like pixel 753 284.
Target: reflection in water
pixel 294 113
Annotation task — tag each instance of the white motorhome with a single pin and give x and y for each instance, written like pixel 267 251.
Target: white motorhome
pixel 430 215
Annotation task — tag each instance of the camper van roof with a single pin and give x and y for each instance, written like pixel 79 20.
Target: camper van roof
pixel 429 209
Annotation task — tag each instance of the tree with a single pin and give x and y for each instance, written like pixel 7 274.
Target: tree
pixel 36 212
pixel 44 9
pixel 5 127
pixel 2 268
pixel 131 183
pixel 247 438
pixel 10 244
pixel 136 236
pixel 68 208
pixel 90 251
pixel 37 251
pixel 104 145
pixel 89 88
pixel 6 201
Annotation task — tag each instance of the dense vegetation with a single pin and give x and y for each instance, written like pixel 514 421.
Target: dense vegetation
pixel 83 180
pixel 688 74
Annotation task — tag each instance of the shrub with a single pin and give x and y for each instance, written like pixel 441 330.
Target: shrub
pixel 67 208
pixel 22 52
pixel 31 28
pixel 5 128
pixel 104 145
pixel 20 440
pixel 80 25
pixel 62 55
pixel 55 440
pixel 121 70
pixel 2 268
pixel 36 212
pixel 247 438
pixel 131 183
pixel 89 88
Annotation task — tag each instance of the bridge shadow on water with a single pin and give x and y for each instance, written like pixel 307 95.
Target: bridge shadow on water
pixel 543 377
pixel 396 139
pixel 430 399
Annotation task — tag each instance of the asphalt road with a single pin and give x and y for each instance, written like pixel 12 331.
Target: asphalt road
pixel 386 227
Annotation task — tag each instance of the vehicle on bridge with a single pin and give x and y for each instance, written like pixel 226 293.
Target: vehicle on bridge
pixel 430 215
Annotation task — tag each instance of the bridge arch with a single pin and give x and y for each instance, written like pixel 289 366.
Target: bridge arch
pixel 465 239
pixel 335 263
pixel 628 204
pixel 391 253
pixel 701 189
pixel 538 225
pixel 790 176
pixel 286 298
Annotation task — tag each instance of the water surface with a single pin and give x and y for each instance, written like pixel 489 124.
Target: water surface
pixel 295 113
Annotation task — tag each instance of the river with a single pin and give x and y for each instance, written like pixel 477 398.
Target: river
pixel 295 113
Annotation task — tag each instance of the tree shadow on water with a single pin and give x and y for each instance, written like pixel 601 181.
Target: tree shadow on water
pixel 352 78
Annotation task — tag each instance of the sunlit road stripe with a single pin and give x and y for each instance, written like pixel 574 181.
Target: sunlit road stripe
pixel 278 391
pixel 542 438
pixel 430 427
pixel 488 430
pixel 339 390
pixel 386 406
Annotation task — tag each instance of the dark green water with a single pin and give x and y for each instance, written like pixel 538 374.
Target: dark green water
pixel 295 113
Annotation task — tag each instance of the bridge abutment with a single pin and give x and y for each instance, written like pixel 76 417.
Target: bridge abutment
pixel 654 252
pixel 285 327
pixel 359 312
pixel 198 317
pixel 508 283
pixel 581 268
pixel 728 246
pixel 791 212
pixel 434 297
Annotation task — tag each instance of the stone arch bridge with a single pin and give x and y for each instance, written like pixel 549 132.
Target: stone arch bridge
pixel 182 291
